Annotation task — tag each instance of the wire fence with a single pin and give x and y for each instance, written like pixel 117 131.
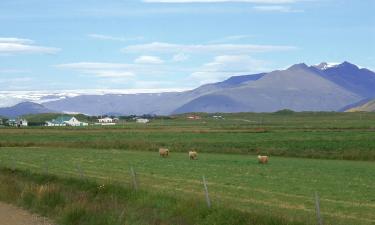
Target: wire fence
pixel 134 181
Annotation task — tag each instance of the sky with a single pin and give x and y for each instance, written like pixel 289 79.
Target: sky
pixel 171 45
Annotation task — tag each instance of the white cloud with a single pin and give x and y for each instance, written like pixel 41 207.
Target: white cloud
pixel 12 71
pixel 225 66
pixel 231 38
pixel 220 1
pixel 160 47
pixel 147 59
pixel 9 46
pixel 15 80
pixel 276 8
pixel 104 70
pixel 180 57
pixel 114 38
pixel 15 40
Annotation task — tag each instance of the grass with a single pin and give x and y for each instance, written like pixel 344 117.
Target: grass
pixel 282 189
pixel 301 146
pixel 308 135
pixel 72 201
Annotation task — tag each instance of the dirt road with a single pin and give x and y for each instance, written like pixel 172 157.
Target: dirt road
pixel 11 215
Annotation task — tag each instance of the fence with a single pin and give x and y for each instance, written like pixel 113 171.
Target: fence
pixel 135 183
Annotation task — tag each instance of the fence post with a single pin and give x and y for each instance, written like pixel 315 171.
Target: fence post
pixel 317 206
pixel 134 177
pixel 206 193
pixel 120 218
pixel 46 166
pixel 80 171
pixel 13 167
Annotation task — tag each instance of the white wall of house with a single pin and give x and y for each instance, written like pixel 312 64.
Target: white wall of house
pixel 74 122
pixel 71 122
pixel 142 120
pixel 21 123
pixel 106 120
pixel 50 124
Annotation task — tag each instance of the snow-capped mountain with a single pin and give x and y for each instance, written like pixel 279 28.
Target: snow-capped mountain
pixel 323 87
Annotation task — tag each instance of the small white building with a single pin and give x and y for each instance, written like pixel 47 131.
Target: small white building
pixel 22 122
pixel 105 120
pixel 19 122
pixel 142 120
pixel 65 121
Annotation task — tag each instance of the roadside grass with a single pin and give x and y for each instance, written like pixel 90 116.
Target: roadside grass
pixel 70 201
pixel 284 188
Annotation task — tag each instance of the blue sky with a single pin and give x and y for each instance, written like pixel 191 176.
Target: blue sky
pixel 156 45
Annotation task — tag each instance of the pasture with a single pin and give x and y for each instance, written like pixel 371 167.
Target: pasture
pixel 308 135
pixel 285 187
pixel 301 145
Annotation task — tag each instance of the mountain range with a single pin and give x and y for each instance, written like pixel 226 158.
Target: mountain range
pixel 24 108
pixel 323 87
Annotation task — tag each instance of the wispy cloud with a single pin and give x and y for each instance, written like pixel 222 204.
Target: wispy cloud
pixel 9 46
pixel 160 47
pixel 180 57
pixel 12 71
pixel 218 1
pixel 114 38
pixel 231 38
pixel 15 40
pixel 276 8
pixel 227 65
pixel 106 70
pixel 147 59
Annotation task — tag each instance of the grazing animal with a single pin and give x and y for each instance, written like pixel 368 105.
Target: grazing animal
pixel 163 152
pixel 263 159
pixel 193 155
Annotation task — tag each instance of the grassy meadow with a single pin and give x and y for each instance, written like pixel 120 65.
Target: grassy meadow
pixel 309 135
pixel 328 153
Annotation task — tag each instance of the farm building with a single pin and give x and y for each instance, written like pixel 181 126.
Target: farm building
pixel 107 121
pixel 65 121
pixel 142 120
pixel 19 122
pixel 194 117
pixel 22 122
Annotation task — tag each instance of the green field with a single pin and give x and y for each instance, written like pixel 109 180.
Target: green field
pixel 309 135
pixel 283 188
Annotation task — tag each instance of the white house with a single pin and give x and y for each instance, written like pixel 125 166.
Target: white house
pixel 19 122
pixel 142 120
pixel 105 120
pixel 22 122
pixel 65 121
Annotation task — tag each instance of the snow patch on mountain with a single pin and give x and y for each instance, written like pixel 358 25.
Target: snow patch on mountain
pixel 326 65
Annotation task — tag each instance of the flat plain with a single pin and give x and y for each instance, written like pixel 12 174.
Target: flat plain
pixel 328 153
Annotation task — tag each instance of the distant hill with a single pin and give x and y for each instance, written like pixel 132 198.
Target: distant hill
pixel 323 87
pixel 24 108
pixel 368 106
